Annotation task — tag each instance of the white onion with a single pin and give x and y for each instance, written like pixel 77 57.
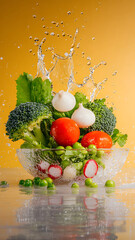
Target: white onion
pixel 63 101
pixel 83 117
pixel 69 173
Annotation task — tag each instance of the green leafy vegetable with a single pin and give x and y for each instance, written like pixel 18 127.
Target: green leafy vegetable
pixel 24 88
pixel 33 90
pixel 41 91
pixel 118 137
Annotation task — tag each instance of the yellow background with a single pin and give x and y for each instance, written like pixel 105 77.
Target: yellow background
pixel 106 32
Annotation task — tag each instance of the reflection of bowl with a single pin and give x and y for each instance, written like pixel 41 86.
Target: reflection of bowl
pixel 33 160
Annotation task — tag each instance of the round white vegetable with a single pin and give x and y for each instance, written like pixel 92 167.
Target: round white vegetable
pixel 83 117
pixel 63 101
pixel 69 173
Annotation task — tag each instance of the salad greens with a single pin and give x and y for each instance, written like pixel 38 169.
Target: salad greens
pixel 118 137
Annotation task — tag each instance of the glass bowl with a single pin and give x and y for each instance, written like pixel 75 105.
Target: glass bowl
pixel 37 161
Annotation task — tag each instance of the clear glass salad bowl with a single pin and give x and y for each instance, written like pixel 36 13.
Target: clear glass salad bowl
pixel 37 162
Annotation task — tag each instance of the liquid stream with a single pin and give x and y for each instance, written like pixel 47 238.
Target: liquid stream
pixel 45 73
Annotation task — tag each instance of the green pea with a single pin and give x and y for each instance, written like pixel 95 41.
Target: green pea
pixel 4 183
pixel 28 183
pixel 60 152
pixel 78 145
pixel 88 182
pixel 75 185
pixel 65 163
pixel 21 182
pixel 49 180
pixel 51 187
pixel 92 148
pixel 93 185
pixel 100 153
pixel 68 148
pixel 43 183
pixel 36 180
pixel 110 183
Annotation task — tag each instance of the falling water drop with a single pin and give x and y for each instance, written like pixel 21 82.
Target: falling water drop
pixel 34 16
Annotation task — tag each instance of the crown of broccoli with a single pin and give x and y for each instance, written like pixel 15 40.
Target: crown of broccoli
pixel 24 123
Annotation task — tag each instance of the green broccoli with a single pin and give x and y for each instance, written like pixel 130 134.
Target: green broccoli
pixel 24 123
pixel 105 119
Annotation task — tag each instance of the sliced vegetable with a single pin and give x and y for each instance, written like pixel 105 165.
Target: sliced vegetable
pixel 43 166
pixel 90 168
pixel 54 171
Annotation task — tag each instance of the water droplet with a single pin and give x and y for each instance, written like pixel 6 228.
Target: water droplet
pixel 33 54
pixel 53 22
pixel 61 22
pixel 57 24
pixel 93 38
pixel 66 54
pixel 42 19
pixel 36 39
pixel 78 45
pixel 88 58
pixel 82 53
pixel 81 12
pixel 18 47
pixel 88 63
pixel 70 36
pixel 46 33
pixel 43 26
pixel 30 37
pixel 1 58
pixel 114 74
pixel 30 50
pixel 34 16
pixel 63 34
pixel 58 35
pixel 37 4
pixel 83 26
pixel 69 12
pixel 52 33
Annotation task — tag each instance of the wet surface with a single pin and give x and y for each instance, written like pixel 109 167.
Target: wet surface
pixel 35 213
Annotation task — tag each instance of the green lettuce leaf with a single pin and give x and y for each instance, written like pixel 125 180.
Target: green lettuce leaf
pixel 41 91
pixel 23 88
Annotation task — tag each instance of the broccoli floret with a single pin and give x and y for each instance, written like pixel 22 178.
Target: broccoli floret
pixel 24 123
pixel 105 119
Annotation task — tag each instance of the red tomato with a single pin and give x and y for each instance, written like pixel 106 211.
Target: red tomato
pixel 98 138
pixel 65 131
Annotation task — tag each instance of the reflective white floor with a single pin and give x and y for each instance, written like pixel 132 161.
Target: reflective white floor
pixel 35 213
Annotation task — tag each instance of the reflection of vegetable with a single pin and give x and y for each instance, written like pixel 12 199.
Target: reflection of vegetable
pixel 65 131
pixel 105 119
pixel 90 168
pixel 24 123
pixel 83 117
pixel 98 138
pixel 118 137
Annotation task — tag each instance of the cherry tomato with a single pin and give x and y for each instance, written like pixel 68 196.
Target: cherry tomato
pixel 65 131
pixel 98 138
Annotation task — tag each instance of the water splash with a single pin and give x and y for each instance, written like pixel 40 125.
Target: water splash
pixel 45 73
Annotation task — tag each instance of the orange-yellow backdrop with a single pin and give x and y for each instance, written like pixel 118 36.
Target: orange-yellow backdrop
pixel 106 32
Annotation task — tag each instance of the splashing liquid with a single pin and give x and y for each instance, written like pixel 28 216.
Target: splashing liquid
pixel 45 73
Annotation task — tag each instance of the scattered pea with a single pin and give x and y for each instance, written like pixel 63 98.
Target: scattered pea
pixel 36 180
pixel 88 182
pixel 28 183
pixel 93 185
pixel 51 187
pixel 75 185
pixel 4 183
pixel 110 183
pixel 43 183
pixel 21 182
